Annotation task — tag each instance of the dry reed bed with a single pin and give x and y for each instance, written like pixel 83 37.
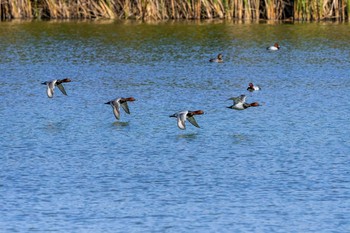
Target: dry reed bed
pixel 307 10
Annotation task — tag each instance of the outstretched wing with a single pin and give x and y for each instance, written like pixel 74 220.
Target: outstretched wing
pixel 116 112
pixel 181 118
pixel 60 86
pixel 50 88
pixel 125 107
pixel 193 121
pixel 239 99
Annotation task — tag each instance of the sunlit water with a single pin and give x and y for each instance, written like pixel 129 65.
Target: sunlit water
pixel 67 165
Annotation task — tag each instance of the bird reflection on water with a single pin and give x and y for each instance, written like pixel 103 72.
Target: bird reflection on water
pixel 189 136
pixel 120 124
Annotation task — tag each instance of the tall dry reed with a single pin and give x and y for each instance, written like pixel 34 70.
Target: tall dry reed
pixel 176 9
pixel 18 9
pixel 322 10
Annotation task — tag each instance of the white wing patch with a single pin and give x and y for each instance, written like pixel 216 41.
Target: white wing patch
pixel 181 118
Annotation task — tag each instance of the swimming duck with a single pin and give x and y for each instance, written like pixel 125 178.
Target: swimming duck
pixel 218 59
pixel 116 103
pixel 57 82
pixel 252 88
pixel 273 47
pixel 240 104
pixel 186 115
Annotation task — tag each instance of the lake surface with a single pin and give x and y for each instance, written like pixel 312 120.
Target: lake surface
pixel 67 165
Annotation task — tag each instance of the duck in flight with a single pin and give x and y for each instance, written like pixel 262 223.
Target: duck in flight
pixel 239 103
pixel 186 115
pixel 53 83
pixel 120 102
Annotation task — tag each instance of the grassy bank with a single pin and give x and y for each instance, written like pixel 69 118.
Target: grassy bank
pixel 308 10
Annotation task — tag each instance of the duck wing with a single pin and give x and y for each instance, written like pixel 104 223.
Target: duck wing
pixel 181 119
pixel 125 107
pixel 60 86
pixel 49 91
pixel 50 88
pixel 238 99
pixel 116 112
pixel 193 121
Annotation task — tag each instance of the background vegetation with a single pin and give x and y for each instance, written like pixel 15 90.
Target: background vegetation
pixel 308 10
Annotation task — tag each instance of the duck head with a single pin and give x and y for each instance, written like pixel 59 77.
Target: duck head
pixel 65 80
pixel 254 104
pixel 197 112
pixel 129 99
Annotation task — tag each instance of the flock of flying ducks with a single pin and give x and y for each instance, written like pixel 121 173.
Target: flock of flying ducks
pixel 239 102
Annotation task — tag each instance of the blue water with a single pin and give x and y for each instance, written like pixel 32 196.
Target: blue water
pixel 67 165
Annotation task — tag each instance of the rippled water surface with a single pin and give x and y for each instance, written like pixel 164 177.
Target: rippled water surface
pixel 67 165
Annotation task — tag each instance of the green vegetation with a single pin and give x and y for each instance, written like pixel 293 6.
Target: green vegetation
pixel 304 10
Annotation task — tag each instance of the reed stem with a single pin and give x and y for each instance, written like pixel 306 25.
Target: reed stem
pixel 308 10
